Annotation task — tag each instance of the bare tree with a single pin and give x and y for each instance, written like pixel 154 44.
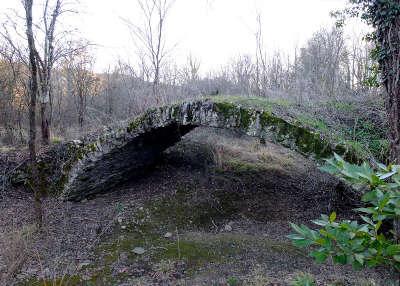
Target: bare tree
pixel 33 91
pixel 261 60
pixel 192 69
pixel 150 37
pixel 321 67
pixel 50 46
pixel 85 83
pixel 13 97
pixel 50 54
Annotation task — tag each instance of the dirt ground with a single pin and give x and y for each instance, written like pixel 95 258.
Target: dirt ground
pixel 214 211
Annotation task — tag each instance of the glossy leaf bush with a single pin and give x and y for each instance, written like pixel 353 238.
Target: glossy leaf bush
pixel 358 242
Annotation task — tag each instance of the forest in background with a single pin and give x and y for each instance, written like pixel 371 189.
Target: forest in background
pixel 330 69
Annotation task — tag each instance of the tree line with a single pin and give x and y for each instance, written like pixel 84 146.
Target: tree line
pixel 73 98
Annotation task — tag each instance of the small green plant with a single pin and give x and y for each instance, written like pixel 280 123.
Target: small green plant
pixel 56 140
pixel 303 279
pixel 119 208
pixel 232 281
pixel 352 242
pixel 315 123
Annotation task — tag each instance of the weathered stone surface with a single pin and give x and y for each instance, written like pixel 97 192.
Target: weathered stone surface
pixel 79 169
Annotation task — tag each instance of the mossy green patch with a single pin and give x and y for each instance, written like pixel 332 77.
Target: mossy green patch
pixel 185 209
pixel 52 175
pixel 342 106
pixel 175 213
pixel 241 166
pixel 315 123
pixel 227 109
pixel 245 118
pixel 306 141
pixel 267 119
pixel 56 140
pixel 134 125
pixel 175 111
pixel 365 135
pixel 253 102
pixel 194 248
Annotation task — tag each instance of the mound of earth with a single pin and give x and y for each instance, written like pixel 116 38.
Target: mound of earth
pixel 214 211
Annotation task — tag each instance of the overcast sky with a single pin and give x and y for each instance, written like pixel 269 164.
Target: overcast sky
pixel 214 31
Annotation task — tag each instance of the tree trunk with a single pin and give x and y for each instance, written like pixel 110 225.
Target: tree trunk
pixel 33 91
pixel 81 111
pixel 44 114
pixel 155 89
pixel 389 41
pixel 45 126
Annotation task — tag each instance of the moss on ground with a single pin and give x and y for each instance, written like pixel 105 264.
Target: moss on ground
pixel 240 166
pixel 185 214
pixel 195 217
pixel 194 250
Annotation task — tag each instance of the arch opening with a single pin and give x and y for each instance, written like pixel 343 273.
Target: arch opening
pixel 128 162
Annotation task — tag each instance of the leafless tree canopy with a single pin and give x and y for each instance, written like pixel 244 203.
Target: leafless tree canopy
pixel 74 99
pixel 149 37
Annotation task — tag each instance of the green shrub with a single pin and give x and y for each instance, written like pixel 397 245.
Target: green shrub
pixel 303 279
pixel 352 242
pixel 367 134
pixel 232 281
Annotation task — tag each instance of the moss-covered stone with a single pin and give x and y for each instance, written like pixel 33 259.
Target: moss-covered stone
pixel 226 109
pixel 245 118
pixel 70 167
pixel 133 125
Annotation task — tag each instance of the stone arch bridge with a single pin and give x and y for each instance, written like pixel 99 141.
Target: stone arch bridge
pixel 96 164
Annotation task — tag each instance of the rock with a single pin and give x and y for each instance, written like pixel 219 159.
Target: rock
pixel 83 264
pixel 228 228
pixel 139 250
pixel 123 270
pixel 98 228
pixel 46 272
pixel 123 257
pixel 168 235
pixel 86 277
